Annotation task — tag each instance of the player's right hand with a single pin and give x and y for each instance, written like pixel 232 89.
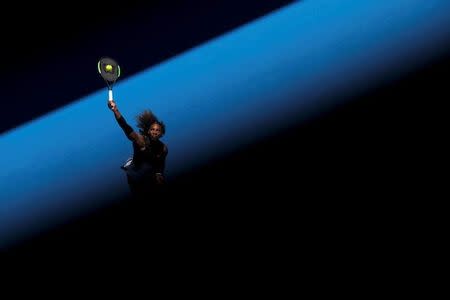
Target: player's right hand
pixel 112 105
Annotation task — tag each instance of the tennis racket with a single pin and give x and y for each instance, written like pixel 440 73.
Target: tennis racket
pixel 109 69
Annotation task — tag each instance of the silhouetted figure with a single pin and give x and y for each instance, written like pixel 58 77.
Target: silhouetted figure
pixel 145 169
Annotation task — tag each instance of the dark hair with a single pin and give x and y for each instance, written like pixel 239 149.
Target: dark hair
pixel 146 119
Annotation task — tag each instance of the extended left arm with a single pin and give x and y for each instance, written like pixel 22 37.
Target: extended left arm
pixel 160 165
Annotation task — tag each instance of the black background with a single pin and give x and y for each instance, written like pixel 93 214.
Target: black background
pixel 359 160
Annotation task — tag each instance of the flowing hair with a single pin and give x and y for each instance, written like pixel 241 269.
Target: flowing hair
pixel 146 119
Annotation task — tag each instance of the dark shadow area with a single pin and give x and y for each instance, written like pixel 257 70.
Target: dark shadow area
pixel 355 164
pixel 50 58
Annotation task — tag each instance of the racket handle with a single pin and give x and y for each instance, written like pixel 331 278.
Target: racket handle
pixel 110 95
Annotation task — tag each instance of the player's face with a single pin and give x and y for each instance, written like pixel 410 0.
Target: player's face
pixel 155 131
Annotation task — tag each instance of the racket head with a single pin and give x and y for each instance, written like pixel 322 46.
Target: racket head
pixel 109 69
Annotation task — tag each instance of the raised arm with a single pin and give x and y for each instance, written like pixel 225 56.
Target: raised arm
pixel 129 132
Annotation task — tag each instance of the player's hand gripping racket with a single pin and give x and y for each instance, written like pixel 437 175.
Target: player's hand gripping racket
pixel 110 71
